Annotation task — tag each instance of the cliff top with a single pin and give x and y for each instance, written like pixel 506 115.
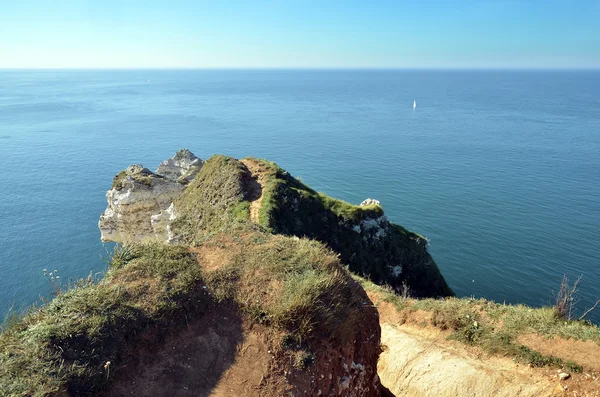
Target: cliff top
pixel 241 276
pixel 230 278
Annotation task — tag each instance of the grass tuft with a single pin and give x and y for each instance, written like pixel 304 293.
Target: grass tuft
pixel 294 284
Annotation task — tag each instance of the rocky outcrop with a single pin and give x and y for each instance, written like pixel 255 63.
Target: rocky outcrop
pixel 161 224
pixel 370 201
pixel 140 202
pixel 183 167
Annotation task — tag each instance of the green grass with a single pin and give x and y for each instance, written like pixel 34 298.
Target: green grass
pixel 241 211
pixel 145 177
pixel 287 282
pixel 213 202
pixel 290 207
pixel 64 345
pixel 293 284
pixel 496 327
pixel 280 182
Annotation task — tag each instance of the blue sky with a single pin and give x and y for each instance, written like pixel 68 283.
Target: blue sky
pixel 302 34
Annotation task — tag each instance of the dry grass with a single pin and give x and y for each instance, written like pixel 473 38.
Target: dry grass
pixel 566 300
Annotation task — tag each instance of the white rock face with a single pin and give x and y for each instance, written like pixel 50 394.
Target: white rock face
pixel 370 201
pixel 140 203
pixel 184 165
pixel 161 224
pixel 375 228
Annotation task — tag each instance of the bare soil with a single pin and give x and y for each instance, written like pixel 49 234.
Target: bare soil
pixel 578 351
pixel 586 353
pixel 222 354
pixel 190 362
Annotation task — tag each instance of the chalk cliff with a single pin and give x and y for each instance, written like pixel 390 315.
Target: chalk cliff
pixel 140 202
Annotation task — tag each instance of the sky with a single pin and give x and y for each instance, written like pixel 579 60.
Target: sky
pixel 299 34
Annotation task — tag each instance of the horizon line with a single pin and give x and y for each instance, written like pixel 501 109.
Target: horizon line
pixel 307 68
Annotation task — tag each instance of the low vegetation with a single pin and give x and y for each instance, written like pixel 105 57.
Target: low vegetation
pixel 566 300
pixel 76 342
pixel 213 202
pixel 143 176
pixel 291 283
pixel 495 327
pixel 369 244
pixel 66 345
pixel 285 273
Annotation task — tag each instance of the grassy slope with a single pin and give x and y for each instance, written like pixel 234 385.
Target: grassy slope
pixel 213 201
pixel 214 208
pixel 65 344
pixel 292 208
pixel 295 285
pixel 495 327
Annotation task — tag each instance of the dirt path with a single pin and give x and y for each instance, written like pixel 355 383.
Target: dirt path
pixel 420 361
pixel 255 193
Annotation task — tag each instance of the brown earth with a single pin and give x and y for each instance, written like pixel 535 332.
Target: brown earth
pixel 222 354
pixel 417 364
pixel 586 353
pixel 578 351
pixel 203 359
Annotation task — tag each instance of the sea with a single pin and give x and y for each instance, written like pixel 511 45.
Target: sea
pixel 499 169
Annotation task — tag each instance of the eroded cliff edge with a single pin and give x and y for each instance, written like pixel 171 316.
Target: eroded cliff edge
pixel 139 200
pixel 232 309
pixel 160 206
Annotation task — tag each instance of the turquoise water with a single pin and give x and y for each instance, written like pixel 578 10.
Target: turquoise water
pixel 500 169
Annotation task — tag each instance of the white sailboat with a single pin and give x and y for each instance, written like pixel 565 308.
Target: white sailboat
pixel 414 104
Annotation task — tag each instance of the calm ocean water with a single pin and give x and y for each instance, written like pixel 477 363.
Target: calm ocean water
pixel 499 169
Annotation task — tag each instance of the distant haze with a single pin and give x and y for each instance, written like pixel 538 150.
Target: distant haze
pixel 299 34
